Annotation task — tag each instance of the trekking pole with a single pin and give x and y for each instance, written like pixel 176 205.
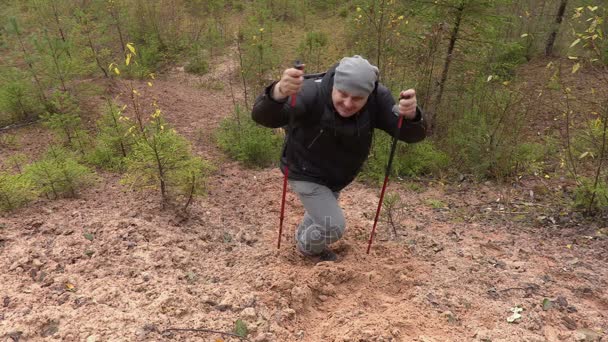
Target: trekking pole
pixel 298 66
pixel 388 171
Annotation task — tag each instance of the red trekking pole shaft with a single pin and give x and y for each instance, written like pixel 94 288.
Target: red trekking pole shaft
pixel 388 171
pixel 298 66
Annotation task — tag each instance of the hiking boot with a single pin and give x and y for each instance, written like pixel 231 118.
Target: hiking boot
pixel 328 255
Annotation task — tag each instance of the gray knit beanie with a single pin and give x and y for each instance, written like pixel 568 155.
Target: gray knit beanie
pixel 355 76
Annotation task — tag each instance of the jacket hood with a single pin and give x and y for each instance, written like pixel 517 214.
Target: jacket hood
pixel 327 84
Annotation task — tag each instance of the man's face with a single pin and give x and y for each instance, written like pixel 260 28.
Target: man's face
pixel 345 104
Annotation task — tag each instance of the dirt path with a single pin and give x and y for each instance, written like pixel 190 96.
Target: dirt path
pixel 110 266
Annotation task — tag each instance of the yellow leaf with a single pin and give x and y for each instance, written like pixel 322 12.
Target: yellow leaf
pixel 358 9
pixel 575 67
pixel 261 29
pixel 569 246
pixel 592 9
pixel 578 40
pixel 572 57
pixel 128 60
pixel 131 48
pixel 162 127
pixel 70 287
pixel 524 35
pixel 150 84
pixel 547 176
pixel 116 71
pixel 506 83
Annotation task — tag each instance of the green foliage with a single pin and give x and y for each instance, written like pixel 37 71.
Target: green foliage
pixel 113 141
pixel 508 58
pixel 149 59
pixel 18 101
pixel 376 31
pixel 590 197
pixel 435 203
pixel 410 160
pixel 257 51
pixel 587 142
pixel 59 174
pixel 161 159
pixel 487 139
pixel 65 121
pixel 240 328
pixel 312 47
pixel 244 140
pixel 15 191
pixel 197 66
pixel 9 141
pixel 16 162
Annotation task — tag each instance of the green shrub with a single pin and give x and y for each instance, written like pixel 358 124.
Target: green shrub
pixel 9 141
pixel 65 122
pixel 59 174
pixel 589 198
pixel 18 99
pixel 113 141
pixel 587 141
pixel 410 160
pixel 161 159
pixel 244 140
pixel 15 191
pixel 509 57
pixel 197 66
pixel 15 162
pixel 486 139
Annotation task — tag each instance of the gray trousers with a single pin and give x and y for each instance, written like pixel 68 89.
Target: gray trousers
pixel 323 221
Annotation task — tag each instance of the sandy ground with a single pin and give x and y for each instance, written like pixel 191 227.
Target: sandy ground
pixel 111 266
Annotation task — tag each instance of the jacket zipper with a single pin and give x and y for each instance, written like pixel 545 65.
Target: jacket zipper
pixel 315 139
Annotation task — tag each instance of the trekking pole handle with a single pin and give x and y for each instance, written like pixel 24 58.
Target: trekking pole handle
pixel 396 110
pixel 300 66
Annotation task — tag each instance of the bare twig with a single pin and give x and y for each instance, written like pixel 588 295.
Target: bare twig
pixel 205 331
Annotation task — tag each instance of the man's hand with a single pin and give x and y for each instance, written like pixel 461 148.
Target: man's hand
pixel 290 83
pixel 407 104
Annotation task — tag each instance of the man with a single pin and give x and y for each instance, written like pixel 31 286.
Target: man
pixel 329 135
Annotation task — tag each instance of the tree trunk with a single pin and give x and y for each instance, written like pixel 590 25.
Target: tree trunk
pixel 559 17
pixel 448 60
pixel 61 34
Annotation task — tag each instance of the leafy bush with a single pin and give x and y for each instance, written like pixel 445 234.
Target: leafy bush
pixel 59 174
pixel 161 159
pixel 486 139
pixel 589 198
pixel 197 66
pixel 410 160
pixel 510 56
pixel 113 141
pixel 244 140
pixel 15 162
pixel 18 101
pixel 587 142
pixel 15 191
pixel 65 121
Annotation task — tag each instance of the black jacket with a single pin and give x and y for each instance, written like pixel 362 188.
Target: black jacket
pixel 320 145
